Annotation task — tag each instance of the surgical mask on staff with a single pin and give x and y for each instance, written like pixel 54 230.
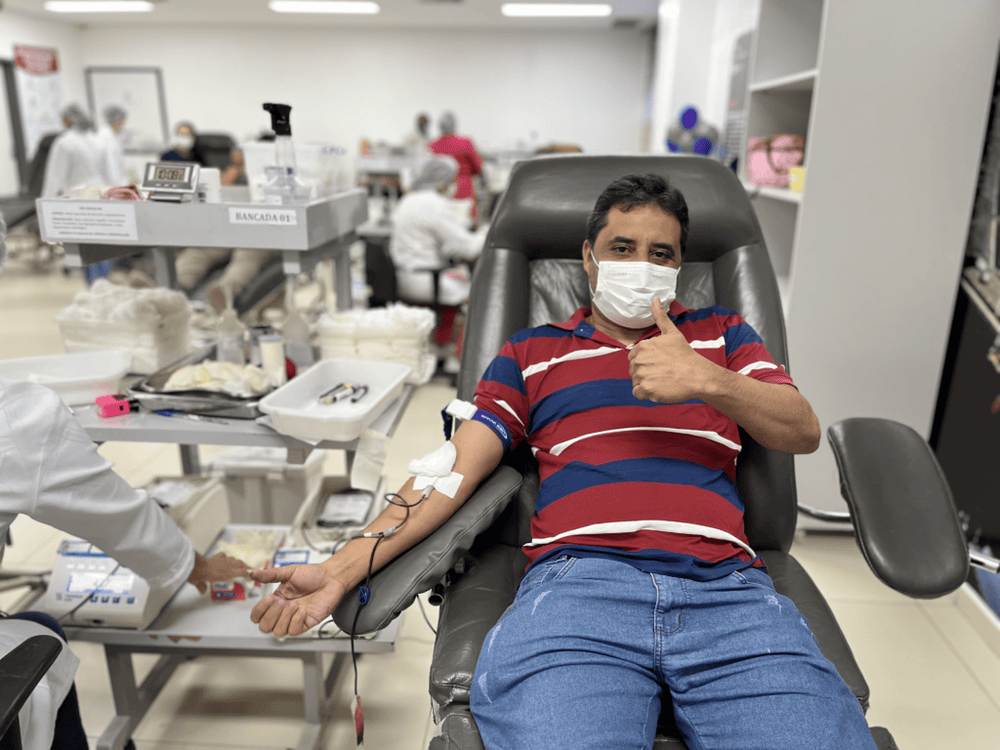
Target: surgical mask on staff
pixel 626 290
pixel 184 142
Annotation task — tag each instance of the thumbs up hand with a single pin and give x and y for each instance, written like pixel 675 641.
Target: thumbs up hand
pixel 666 369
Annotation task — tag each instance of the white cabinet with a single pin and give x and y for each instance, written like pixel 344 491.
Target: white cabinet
pixel 892 97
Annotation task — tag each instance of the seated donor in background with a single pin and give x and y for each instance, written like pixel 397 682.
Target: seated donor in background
pixel 640 578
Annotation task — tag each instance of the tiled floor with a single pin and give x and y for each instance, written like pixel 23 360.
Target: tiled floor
pixel 933 666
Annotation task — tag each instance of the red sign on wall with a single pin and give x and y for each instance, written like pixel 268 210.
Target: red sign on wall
pixel 36 60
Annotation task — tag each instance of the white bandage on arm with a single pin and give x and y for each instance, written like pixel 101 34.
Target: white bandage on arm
pixel 436 469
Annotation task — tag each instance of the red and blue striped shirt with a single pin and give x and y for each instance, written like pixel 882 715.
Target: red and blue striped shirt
pixel 651 484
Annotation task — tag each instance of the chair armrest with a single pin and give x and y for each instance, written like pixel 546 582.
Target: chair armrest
pixel 20 670
pixel 791 580
pixel 904 516
pixel 472 606
pixel 395 586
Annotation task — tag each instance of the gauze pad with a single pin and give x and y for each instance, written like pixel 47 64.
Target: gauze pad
pixel 436 464
pixel 435 468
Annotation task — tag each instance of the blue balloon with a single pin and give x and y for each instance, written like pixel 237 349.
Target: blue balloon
pixel 689 117
pixel 703 146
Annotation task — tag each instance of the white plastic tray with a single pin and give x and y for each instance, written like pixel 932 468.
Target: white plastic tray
pixel 78 378
pixel 295 408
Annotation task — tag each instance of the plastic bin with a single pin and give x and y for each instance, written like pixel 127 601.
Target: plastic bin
pixel 263 487
pixel 396 333
pixel 78 378
pixel 324 168
pixel 151 323
pixel 295 407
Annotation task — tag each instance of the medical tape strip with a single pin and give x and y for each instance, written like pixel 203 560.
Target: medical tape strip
pixel 445 485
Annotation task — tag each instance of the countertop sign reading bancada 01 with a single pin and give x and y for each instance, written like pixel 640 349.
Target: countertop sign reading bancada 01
pixel 282 217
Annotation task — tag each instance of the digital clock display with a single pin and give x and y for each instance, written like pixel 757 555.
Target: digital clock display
pixel 173 174
pixel 171 181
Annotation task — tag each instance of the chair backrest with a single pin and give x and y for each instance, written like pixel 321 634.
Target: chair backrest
pixel 36 170
pixel 531 272
pixel 214 149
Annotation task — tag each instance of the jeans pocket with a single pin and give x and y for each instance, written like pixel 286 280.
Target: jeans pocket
pixel 550 570
pixel 754 577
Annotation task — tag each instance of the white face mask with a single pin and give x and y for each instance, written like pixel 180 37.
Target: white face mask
pixel 626 290
pixel 184 142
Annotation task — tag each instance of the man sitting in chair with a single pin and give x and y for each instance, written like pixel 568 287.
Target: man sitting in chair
pixel 641 578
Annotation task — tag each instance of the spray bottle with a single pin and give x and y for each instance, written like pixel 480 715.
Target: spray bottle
pixel 283 187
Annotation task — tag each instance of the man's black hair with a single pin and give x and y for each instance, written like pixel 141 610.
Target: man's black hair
pixel 635 190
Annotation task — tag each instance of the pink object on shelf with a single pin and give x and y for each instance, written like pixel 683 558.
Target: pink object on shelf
pixel 769 159
pixel 113 406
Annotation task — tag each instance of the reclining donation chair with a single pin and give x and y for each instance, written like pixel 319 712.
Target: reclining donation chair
pixel 530 273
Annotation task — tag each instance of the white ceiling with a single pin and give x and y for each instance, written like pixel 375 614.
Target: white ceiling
pixel 394 14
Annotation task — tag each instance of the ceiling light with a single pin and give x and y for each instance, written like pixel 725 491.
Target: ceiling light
pixel 322 6
pixel 557 10
pixel 98 6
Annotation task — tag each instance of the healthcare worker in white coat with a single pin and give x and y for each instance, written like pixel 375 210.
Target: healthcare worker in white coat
pixel 51 471
pixel 108 138
pixel 426 234
pixel 76 158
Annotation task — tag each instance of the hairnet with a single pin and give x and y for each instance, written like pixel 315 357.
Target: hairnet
pixel 113 113
pixel 447 122
pixel 435 172
pixel 78 119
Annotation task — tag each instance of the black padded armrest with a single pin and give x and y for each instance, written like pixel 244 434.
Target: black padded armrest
pixel 791 580
pixel 904 516
pixel 395 586
pixel 20 670
pixel 471 608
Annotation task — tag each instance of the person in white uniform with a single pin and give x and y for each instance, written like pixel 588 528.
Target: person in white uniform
pixel 76 159
pixel 108 139
pixel 52 472
pixel 427 235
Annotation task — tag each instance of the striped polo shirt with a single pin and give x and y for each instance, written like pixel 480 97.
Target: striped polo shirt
pixel 650 484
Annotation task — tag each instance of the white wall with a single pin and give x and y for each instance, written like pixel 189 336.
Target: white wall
pixel 17 28
pixel 588 88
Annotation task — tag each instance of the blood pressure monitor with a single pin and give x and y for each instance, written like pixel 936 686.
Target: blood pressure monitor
pixel 171 180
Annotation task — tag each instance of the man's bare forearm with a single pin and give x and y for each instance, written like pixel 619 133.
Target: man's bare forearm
pixel 777 416
pixel 478 452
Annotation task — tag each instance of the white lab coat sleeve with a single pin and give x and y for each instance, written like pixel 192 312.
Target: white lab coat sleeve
pixel 53 473
pixel 454 240
pixel 38 715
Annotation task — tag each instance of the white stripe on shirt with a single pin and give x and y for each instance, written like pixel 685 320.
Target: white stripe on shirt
pixel 508 407
pixel 758 366
pixel 707 434
pixel 581 354
pixel 716 344
pixel 628 527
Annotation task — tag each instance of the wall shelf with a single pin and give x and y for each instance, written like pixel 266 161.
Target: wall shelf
pixel 803 81
pixel 779 194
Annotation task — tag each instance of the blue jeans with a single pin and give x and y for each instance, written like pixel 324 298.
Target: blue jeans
pixel 580 658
